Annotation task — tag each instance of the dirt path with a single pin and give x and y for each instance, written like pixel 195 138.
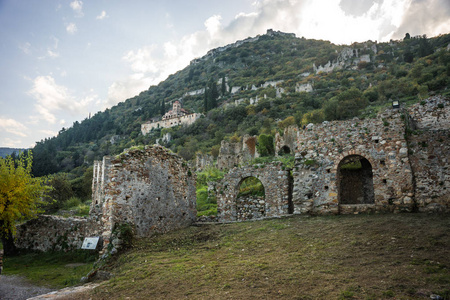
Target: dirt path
pixel 18 288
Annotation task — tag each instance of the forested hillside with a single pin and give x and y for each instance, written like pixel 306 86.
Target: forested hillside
pixel 287 79
pixel 9 151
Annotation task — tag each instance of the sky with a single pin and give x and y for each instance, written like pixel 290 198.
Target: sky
pixel 62 60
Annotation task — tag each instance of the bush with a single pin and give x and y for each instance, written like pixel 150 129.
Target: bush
pixel 72 203
pixel 265 145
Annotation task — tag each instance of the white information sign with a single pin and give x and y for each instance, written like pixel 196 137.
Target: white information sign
pixel 90 243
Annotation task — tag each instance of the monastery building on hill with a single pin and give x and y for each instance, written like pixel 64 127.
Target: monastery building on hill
pixel 174 117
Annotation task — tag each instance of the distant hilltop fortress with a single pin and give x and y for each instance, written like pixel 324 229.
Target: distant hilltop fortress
pixel 174 117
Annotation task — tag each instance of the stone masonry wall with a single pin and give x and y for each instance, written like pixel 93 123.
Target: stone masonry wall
pixel 151 189
pixel 53 233
pixel 276 188
pixel 322 147
pixel 288 139
pixel 429 152
pixel 234 154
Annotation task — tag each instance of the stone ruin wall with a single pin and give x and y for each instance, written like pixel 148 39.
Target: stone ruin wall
pixel 322 147
pixel 429 152
pixel 203 161
pixel 54 233
pixel 234 154
pixel 288 139
pixel 152 189
pixel 276 188
pixel 408 172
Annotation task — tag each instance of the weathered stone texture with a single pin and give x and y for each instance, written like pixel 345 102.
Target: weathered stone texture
pixel 250 207
pixel 203 161
pixel 429 148
pixel 276 187
pixel 286 143
pixel 431 114
pixel 152 189
pixel 322 147
pixel 233 154
pixel 53 233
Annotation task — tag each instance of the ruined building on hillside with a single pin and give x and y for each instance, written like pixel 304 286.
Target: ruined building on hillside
pixel 398 161
pixel 174 117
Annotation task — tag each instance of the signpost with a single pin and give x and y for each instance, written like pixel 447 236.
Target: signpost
pixel 90 243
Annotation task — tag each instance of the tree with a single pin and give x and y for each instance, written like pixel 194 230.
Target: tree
pixel 345 105
pixel 224 86
pixel 425 47
pixel 20 196
pixel 213 95
pixel 162 109
pixel 265 145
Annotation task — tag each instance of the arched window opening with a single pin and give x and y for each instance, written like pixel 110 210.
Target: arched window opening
pixel 284 150
pixel 355 181
pixel 250 202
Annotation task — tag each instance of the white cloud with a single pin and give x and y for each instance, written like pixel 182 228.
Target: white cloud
pixel 71 28
pixel 102 15
pixel 52 98
pixel 121 90
pixel 7 142
pixel 26 48
pixel 48 132
pixel 430 17
pixel 77 7
pixel 52 53
pixel 213 25
pixel 12 126
pixel 324 19
pixel 141 60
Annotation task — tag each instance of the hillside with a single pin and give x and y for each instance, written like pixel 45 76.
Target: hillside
pixel 251 86
pixel 8 151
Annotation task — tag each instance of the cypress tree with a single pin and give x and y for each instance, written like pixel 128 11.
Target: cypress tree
pixel 213 95
pixel 162 108
pixel 205 99
pixel 224 86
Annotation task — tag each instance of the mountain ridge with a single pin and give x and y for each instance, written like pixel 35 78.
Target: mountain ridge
pixel 311 78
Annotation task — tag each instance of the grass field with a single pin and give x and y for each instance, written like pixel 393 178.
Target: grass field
pixel 392 256
pixel 401 256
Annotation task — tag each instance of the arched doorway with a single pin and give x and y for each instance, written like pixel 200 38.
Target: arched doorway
pixel 250 201
pixel 355 181
pixel 284 150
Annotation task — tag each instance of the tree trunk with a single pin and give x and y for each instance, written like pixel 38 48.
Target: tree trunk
pixel 9 249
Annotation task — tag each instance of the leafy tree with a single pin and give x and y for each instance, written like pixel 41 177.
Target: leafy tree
pixel 286 122
pixel 408 56
pixel 61 189
pixel 345 105
pixel 425 47
pixel 20 196
pixel 265 145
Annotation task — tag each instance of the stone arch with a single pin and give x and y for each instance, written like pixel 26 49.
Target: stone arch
pixel 354 179
pixel 250 201
pixel 284 150
pixel 276 190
